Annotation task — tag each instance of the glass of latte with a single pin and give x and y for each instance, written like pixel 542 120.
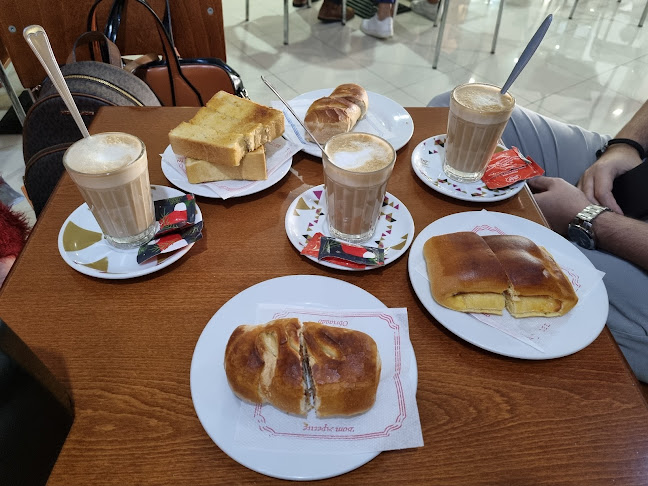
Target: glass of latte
pixel 357 167
pixel 478 115
pixel 111 172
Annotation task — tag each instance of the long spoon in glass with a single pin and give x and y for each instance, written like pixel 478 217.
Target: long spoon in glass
pixel 37 39
pixel 293 113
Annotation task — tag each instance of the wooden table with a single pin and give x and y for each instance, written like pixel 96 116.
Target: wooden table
pixel 124 348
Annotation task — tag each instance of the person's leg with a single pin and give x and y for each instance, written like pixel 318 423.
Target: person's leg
pixel 381 25
pixel 562 150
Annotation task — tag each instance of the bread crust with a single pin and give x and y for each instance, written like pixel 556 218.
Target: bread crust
pixel 353 93
pixel 344 368
pixel 464 273
pixel 263 364
pixel 538 285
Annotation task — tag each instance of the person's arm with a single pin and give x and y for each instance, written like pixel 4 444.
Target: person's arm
pixel 596 182
pixel 560 202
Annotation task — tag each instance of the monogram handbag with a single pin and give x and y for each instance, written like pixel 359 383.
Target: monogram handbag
pixel 176 81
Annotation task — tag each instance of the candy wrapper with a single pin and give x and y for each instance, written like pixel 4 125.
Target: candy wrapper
pixel 170 242
pixel 346 254
pixel 176 227
pixel 509 167
pixel 174 214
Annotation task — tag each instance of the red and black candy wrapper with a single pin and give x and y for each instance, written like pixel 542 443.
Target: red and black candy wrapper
pixel 342 253
pixel 175 213
pixel 170 242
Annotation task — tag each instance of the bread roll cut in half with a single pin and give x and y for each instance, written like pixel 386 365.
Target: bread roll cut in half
pixel 470 273
pixel 538 285
pixel 336 113
pixel 344 369
pixel 296 367
pixel 465 274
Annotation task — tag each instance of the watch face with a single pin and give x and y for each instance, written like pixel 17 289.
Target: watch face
pixel 579 236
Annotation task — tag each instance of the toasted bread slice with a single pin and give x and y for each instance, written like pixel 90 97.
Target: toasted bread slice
pixel 252 168
pixel 205 143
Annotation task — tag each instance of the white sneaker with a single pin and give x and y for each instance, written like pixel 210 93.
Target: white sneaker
pixel 425 8
pixel 382 29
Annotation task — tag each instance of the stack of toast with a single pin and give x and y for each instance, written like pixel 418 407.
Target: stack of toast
pixel 224 140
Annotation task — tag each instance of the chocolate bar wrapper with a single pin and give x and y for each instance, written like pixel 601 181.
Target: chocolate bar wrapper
pixel 344 254
pixel 174 213
pixel 170 242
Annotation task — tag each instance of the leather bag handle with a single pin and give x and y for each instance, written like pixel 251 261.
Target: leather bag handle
pixel 109 51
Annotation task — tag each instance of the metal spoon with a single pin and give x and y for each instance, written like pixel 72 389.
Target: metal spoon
pixel 529 50
pixel 293 113
pixel 37 39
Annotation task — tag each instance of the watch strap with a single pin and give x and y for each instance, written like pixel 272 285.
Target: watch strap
pixel 590 212
pixel 627 141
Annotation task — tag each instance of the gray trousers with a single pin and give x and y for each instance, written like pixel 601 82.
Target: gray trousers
pixel 566 151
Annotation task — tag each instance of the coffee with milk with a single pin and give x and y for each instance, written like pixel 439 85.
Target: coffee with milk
pixel 111 172
pixel 477 118
pixel 357 167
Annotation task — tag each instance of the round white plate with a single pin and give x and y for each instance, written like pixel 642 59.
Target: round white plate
pixel 102 260
pixel 217 407
pixel 587 320
pixel 180 180
pixel 306 216
pixel 384 117
pixel 427 162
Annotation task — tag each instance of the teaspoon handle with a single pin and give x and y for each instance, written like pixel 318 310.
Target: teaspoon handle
pixel 37 39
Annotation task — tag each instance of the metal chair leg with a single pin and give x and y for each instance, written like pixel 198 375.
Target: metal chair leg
pixel 247 10
pixel 571 14
pixel 15 102
pixel 643 15
pixel 436 17
pixel 437 49
pixel 344 12
pixel 497 26
pixel 286 22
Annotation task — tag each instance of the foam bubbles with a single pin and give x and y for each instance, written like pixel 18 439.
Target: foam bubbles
pixel 359 152
pixel 104 152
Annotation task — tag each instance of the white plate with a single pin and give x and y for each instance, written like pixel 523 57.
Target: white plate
pixel 121 264
pixel 217 407
pixel 306 216
pixel 589 315
pixel 384 117
pixel 252 187
pixel 427 162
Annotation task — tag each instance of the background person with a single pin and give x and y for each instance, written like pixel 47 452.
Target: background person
pixel 576 179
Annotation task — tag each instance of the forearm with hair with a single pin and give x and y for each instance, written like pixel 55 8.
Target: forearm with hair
pixel 622 236
pixel 637 128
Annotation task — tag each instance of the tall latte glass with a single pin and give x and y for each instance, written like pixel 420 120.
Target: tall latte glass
pixel 111 172
pixel 357 167
pixel 478 115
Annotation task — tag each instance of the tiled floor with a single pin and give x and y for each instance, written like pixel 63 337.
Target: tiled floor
pixel 591 70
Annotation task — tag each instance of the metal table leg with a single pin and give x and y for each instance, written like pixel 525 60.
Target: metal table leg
pixel 497 26
pixel 286 22
pixel 643 15
pixel 437 49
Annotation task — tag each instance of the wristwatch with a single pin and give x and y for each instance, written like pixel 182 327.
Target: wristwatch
pixel 580 229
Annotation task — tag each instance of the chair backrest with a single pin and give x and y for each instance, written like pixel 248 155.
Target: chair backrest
pixel 197 25
pixel 36 413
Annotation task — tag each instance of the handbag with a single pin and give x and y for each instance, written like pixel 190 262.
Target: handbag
pixel 176 81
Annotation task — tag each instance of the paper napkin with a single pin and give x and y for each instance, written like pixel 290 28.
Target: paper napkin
pixel 278 152
pixel 393 421
pixel 537 332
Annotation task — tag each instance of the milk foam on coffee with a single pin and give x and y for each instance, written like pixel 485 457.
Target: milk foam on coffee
pixel 106 153
pixel 481 103
pixel 360 152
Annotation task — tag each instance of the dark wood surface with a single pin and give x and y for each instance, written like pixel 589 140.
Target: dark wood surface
pixel 197 33
pixel 125 347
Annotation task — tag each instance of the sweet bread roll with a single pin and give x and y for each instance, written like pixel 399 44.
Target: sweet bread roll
pixel 296 368
pixel 465 275
pixel 344 369
pixel 538 285
pixel 331 116
pixel 355 94
pixel 263 364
